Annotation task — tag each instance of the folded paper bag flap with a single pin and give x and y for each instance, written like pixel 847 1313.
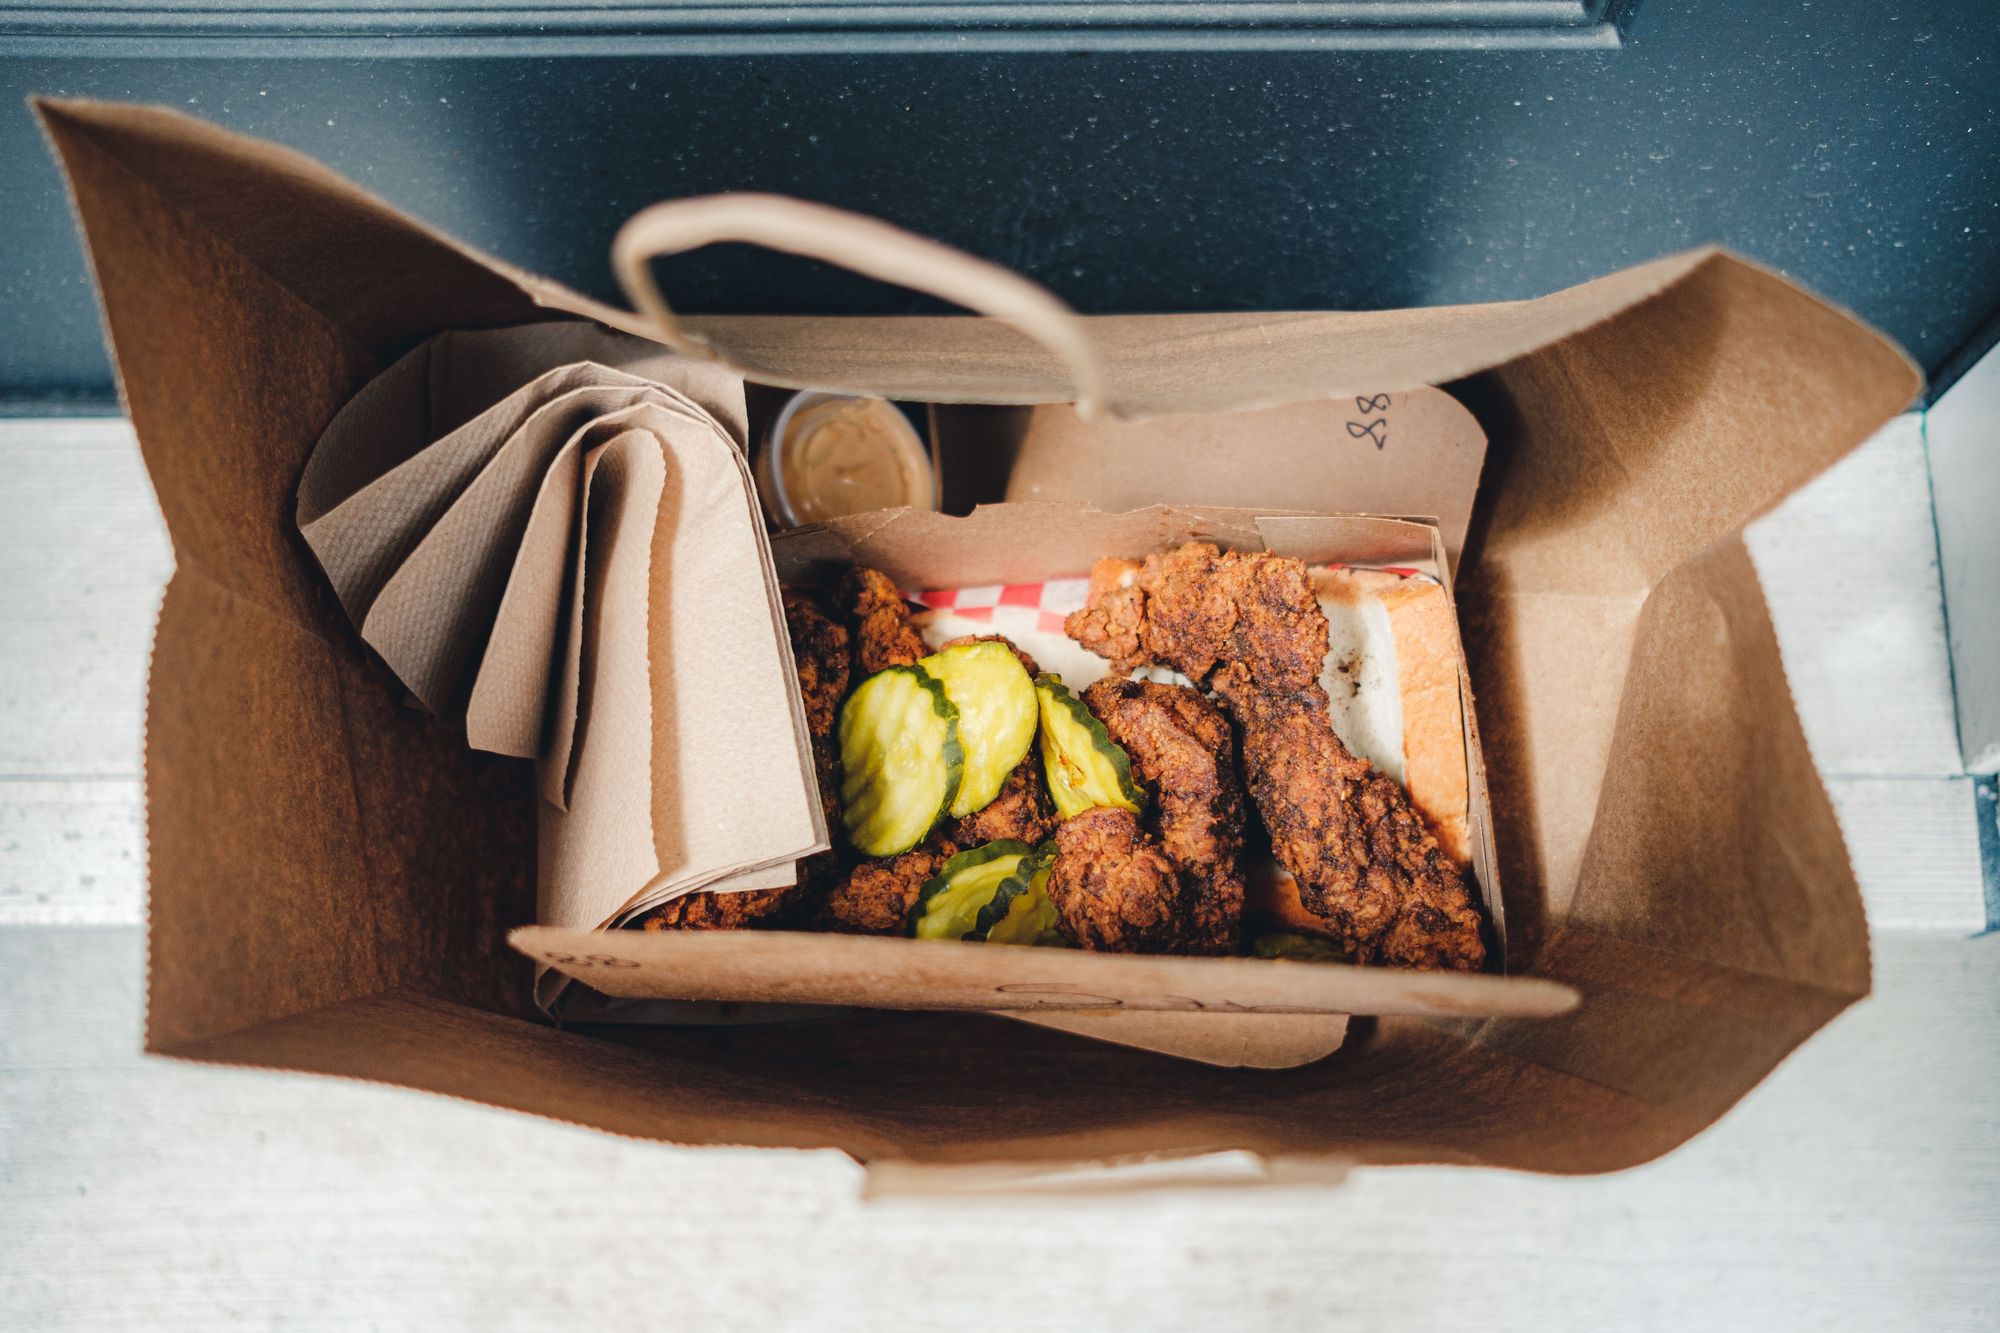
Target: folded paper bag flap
pixel 1712 921
pixel 1615 456
pixel 1623 450
pixel 1156 365
pixel 1715 838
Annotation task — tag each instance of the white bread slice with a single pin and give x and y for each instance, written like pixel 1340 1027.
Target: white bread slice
pixel 1392 676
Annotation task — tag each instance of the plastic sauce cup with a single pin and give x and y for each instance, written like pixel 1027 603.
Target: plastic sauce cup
pixel 826 455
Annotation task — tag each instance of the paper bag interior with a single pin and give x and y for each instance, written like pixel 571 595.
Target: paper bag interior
pixel 332 874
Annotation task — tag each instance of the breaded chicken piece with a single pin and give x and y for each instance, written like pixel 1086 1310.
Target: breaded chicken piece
pixel 877 897
pixel 1023 810
pixel 1182 751
pixel 724 911
pixel 1248 625
pixel 1115 891
pixel 884 634
pixel 820 655
pixel 1195 607
pixel 1367 865
pixel 820 652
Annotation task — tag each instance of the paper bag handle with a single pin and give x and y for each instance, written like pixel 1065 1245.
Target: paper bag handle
pixel 865 245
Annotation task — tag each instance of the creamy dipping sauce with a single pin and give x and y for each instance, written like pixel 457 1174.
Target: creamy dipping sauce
pixel 829 455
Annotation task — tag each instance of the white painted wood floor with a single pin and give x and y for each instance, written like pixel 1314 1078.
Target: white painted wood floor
pixel 1859 1188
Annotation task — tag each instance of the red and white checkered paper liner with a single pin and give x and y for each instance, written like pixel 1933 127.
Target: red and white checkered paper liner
pixel 1013 608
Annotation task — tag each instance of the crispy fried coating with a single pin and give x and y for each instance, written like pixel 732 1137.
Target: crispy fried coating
pixel 820 652
pixel 877 897
pixel 1367 865
pixel 1023 810
pixel 1196 607
pixel 724 911
pixel 884 634
pixel 1115 891
pixel 1249 625
pixel 1182 751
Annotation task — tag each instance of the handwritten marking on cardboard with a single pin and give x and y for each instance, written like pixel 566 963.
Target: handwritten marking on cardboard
pixel 1377 429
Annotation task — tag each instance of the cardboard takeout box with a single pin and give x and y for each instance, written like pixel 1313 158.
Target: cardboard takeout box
pixel 333 874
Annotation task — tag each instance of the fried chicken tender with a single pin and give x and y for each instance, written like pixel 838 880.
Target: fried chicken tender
pixel 1196 607
pixel 1023 810
pixel 1367 865
pixel 1115 891
pixel 1183 752
pixel 822 658
pixel 878 896
pixel 723 911
pixel 820 652
pixel 885 635
pixel 1248 625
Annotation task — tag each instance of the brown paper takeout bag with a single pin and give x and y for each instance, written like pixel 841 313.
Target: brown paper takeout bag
pixel 333 873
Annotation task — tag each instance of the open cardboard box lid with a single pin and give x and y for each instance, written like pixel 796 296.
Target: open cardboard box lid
pixel 333 875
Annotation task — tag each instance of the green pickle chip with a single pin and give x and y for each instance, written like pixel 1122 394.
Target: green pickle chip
pixel 950 905
pixel 996 893
pixel 1298 946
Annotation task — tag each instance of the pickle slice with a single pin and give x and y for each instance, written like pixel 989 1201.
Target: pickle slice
pixel 1021 912
pixel 1085 767
pixel 955 903
pixel 996 715
pixel 901 760
pixel 1298 945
